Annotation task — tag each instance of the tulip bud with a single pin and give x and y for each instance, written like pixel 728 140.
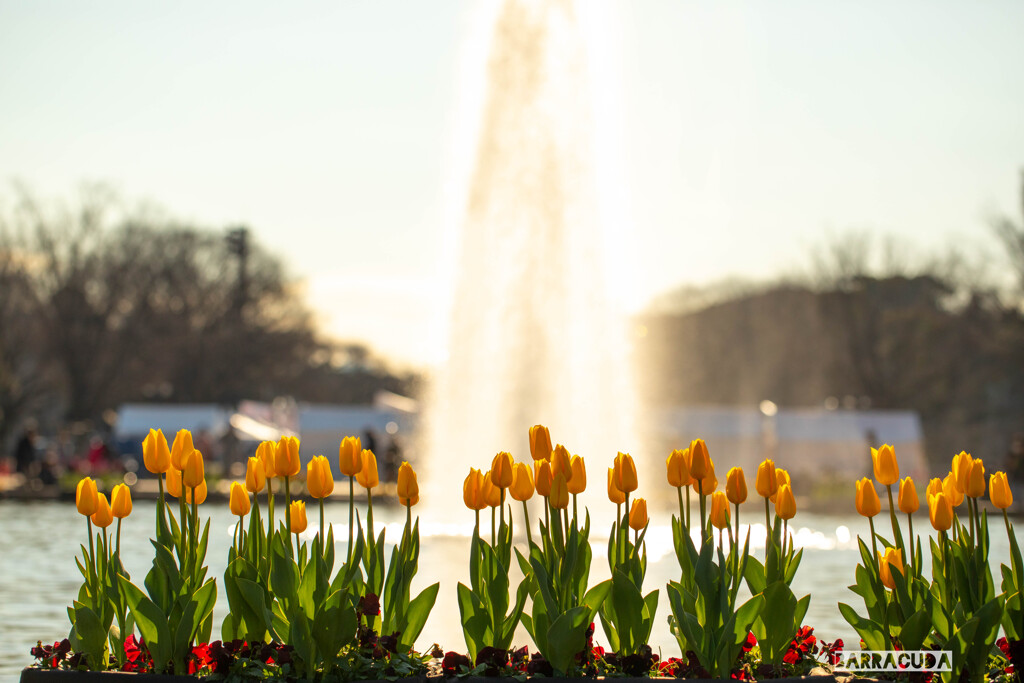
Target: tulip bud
pixel 102 517
pixel 940 511
pixel 719 510
pixel 522 482
pixel 367 474
pixel 952 491
pixel 543 477
pixel 638 514
pixel 472 490
pixel 319 478
pixel 86 498
pixel 561 463
pixel 736 486
pixel 559 497
pixel 255 477
pixel 893 558
pixel 887 470
pixel 962 462
pixel 934 486
pixel 678 469
pixel 501 470
pixel 614 494
pixel 625 473
pixel 194 473
pixel 578 482
pixel 766 484
pixel 286 459
pixel 408 487
pixel 155 453
pixel 976 480
pixel 908 501
pixel 540 443
pixel 350 456
pixel 174 482
pixel 781 477
pixel 298 515
pixel 700 460
pixel 999 490
pixel 492 494
pixel 785 503
pixel 267 453
pixel 867 501
pixel 200 494
pixel 182 446
pixel 121 501
pixel 239 500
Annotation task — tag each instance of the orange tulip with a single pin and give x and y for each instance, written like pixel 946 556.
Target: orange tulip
pixel 700 460
pixel 561 463
pixel 962 462
pixel 155 453
pixel 887 470
pixel 491 493
pixel 286 460
pixel 174 482
pixel 350 456
pixel 544 477
pixel 408 486
pixel 298 510
pixel 501 470
pixel 719 510
pixel 194 472
pixel 908 501
pixel 182 446
pixel 367 476
pixel 767 483
pixel 638 514
pixel 238 502
pixel 559 497
pixel 255 476
pixel 999 490
pixel 952 491
pixel 200 494
pixel 472 490
pixel 736 486
pixel 540 442
pixel 522 482
pixel 267 453
pixel 121 501
pixel 785 503
pixel 625 473
pixel 103 516
pixel 867 501
pixel 578 482
pixel 86 497
pixel 614 494
pixel 940 511
pixel 781 477
pixel 678 468
pixel 319 478
pixel 976 480
pixel 893 558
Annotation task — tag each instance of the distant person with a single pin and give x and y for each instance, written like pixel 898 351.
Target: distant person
pixel 1015 459
pixel 99 454
pixel 369 440
pixel 25 451
pixel 392 458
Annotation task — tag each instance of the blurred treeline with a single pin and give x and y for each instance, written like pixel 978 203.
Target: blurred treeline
pixel 100 305
pixel 872 325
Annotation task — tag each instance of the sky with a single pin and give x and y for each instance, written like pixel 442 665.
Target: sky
pixel 744 134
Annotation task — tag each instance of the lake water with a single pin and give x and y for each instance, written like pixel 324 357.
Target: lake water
pixel 39 579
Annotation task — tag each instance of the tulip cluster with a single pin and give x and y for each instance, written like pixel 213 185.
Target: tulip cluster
pixel 905 606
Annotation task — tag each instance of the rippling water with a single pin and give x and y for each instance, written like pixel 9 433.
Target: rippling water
pixel 38 576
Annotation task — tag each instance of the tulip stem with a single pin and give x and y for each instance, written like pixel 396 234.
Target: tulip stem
pixel 492 528
pixel 547 516
pixel 270 513
pixel 682 515
pixel 288 510
pixel 688 516
pixel 574 523
pixel 408 520
pixel 351 512
pixel 892 515
pixel 704 538
pixel 769 537
pixel 322 537
pixel 195 524
pixel 526 516
pixel 874 543
pixel 160 504
pixel 737 563
pixel 118 537
pixel 369 513
pixel 565 516
pixel 625 525
pixel 910 529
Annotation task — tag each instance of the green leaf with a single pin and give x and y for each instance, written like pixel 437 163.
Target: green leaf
pixel 566 637
pixel 152 624
pixel 416 616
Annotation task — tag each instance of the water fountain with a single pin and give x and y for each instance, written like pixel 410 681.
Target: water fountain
pixel 534 335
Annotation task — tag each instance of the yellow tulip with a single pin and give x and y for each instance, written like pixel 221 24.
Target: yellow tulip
pixel 102 517
pixel 934 486
pixel 940 511
pixel 614 494
pixel 86 497
pixel 319 478
pixel 625 473
pixel 298 510
pixel 736 486
pixel 719 510
pixel 255 475
pixel 491 493
pixel 781 477
pixel 578 482
pixel 543 477
pixel 501 470
pixel 267 453
pixel 200 494
pixel 976 480
pixel 952 491
pixel 962 462
pixel 908 501
pixel 472 490
pixel 540 442
pixel 408 486
pixel 999 490
pixel 350 456
pixel 367 474
pixel 785 503
pixel 561 462
pixel 700 460
pixel 121 501
pixel 867 501
pixel 174 482
pixel 559 497
pixel 522 482
pixel 239 500
pixel 707 485
pixel 767 483
pixel 182 446
pixel 678 468
pixel 638 514
pixel 887 470
pixel 155 453
pixel 893 558
pixel 286 459
pixel 194 472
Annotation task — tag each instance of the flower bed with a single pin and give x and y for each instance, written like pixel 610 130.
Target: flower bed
pixel 299 612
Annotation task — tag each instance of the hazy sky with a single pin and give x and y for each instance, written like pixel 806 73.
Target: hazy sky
pixel 745 131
